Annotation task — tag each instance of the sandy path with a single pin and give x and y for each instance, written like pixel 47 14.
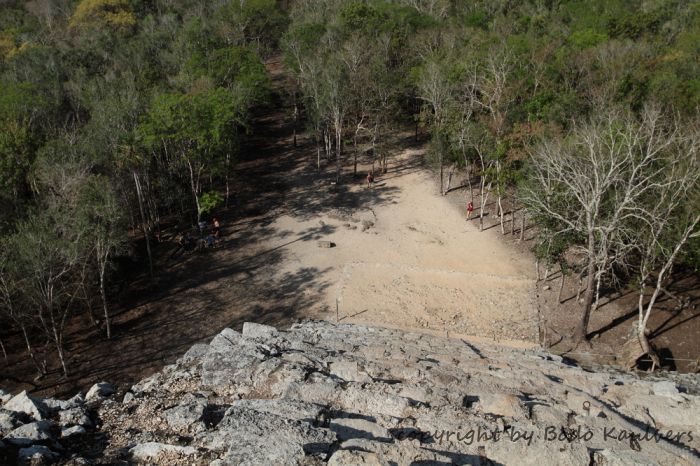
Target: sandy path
pixel 420 265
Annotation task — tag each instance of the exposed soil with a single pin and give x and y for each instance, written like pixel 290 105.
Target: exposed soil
pixel 403 256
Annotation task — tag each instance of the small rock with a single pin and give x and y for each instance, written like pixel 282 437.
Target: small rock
pixel 253 330
pixel 150 451
pixel 355 458
pixel 74 417
pixel 182 417
pixel 23 403
pixel 546 287
pixel 349 371
pixel 36 455
pixel 70 431
pixel 99 391
pixel 8 421
pixel 350 428
pixel 500 404
pixel 128 397
pixel 195 353
pixel 4 396
pixel 665 388
pixel 326 244
pixel 28 434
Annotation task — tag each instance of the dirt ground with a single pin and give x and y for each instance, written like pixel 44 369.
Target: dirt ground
pixel 403 256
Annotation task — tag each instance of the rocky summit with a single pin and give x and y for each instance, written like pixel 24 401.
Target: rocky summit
pixel 350 395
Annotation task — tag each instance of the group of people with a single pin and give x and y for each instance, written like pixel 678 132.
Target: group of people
pixel 207 239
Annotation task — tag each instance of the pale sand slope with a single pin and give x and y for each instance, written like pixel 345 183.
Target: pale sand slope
pixel 420 266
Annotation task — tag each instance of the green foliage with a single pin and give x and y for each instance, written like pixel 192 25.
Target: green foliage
pixel 209 201
pixel 261 22
pixel 114 14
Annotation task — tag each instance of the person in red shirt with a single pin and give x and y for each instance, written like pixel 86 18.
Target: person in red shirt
pixel 470 209
pixel 370 179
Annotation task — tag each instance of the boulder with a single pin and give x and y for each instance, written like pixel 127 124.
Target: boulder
pixel 99 392
pixel 264 438
pixel 185 416
pixel 71 431
pixel 231 359
pixel 8 421
pixel 23 403
pixel 355 458
pixel 36 455
pixel 264 332
pixel 74 417
pixel 352 428
pixel 349 371
pixel 28 434
pixel 150 452
pixel 55 405
pixel 4 396
pixel 287 409
pixel 665 388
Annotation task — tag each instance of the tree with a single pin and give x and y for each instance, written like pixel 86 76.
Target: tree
pixel 665 224
pixel 591 183
pixel 103 217
pixel 195 129
pixel 435 89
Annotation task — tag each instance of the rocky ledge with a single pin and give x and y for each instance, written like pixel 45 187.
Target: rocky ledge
pixel 348 395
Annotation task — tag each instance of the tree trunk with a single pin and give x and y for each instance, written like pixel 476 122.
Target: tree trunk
pixel 500 213
pixel 194 185
pixel 484 199
pixel 4 352
pixel 296 117
pixel 597 291
pixel 649 350
pixel 30 351
pixel 58 340
pixel 441 169
pixel 228 160
pixel 103 264
pixel 561 287
pixel 522 225
pixel 354 146
pixel 338 141
pixel 581 331
pixel 143 225
pixel 449 179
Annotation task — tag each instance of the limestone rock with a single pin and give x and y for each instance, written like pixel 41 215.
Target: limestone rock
pixel 184 416
pixel 355 458
pixel 9 420
pixel 28 434
pixel 55 405
pixel 74 417
pixel 71 431
pixel 4 396
pixel 253 330
pixel 36 455
pixel 349 428
pixel 230 359
pixel 99 391
pixel 348 394
pixel 23 403
pixel 153 451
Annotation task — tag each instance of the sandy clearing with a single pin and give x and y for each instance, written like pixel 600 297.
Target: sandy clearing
pixel 419 265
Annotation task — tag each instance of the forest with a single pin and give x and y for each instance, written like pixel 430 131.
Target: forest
pixel 117 115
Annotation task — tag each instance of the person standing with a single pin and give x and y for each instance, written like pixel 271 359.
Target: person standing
pixel 470 209
pixel 370 179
